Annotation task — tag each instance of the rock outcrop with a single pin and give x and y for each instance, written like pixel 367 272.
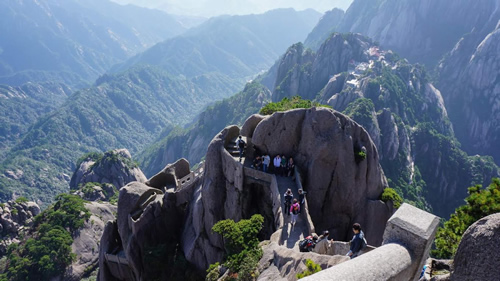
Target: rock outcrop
pixel 280 263
pixel 86 242
pixel 142 243
pixel 115 167
pixel 478 254
pixel 341 190
pixel 14 216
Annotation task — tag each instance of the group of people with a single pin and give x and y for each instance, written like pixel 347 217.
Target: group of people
pixel 294 206
pixel 321 244
pixel 281 165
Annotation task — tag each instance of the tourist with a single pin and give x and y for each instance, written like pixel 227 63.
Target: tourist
pixel 290 167
pixel 323 244
pixel 302 198
pixel 288 201
pixel 277 164
pixel 358 241
pixel 256 151
pixel 241 146
pixel 295 210
pixel 283 166
pixel 257 163
pixel 265 162
pixel 308 243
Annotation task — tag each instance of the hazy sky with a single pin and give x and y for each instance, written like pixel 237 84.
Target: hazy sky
pixel 208 8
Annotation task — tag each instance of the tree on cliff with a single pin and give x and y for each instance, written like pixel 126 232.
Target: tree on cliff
pixel 241 245
pixel 480 203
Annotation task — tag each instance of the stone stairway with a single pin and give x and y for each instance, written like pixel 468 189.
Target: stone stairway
pixel 232 148
pixel 291 235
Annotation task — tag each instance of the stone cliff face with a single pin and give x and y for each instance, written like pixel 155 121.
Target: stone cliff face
pixel 302 72
pixel 340 189
pixel 469 80
pixel 422 31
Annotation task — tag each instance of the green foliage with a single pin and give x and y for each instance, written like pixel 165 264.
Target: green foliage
pixel 47 251
pixel 391 194
pixel 241 244
pixel 480 203
pixel 21 199
pixel 311 269
pixel 213 272
pixel 42 257
pixel 361 111
pixel 68 212
pixel 287 104
pixel 91 156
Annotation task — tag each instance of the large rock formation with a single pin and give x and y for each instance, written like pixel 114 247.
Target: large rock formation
pixel 341 190
pixel 86 242
pixel 14 216
pixel 115 167
pixel 478 254
pixel 142 243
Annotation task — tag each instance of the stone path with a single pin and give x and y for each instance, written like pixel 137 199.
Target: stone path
pixel 291 235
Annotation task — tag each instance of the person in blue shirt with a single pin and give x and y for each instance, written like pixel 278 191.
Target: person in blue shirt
pixel 357 242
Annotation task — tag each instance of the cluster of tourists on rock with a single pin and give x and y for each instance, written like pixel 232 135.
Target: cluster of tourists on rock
pixel 321 244
pixel 281 165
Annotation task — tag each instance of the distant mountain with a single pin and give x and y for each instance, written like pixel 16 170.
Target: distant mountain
pixel 211 8
pixel 192 143
pixel 22 106
pixel 236 46
pixel 126 110
pixel 469 78
pixel 419 30
pixel 74 41
pixel 328 24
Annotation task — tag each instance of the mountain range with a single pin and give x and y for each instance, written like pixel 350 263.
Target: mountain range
pixel 146 97
pixel 74 41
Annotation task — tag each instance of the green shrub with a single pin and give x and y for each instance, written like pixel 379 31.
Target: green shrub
pixel 287 104
pixel 391 194
pixel 241 244
pixel 21 199
pixel 47 252
pixel 311 269
pixel 480 203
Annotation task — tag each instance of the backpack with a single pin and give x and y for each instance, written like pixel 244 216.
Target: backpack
pixel 295 209
pixel 306 244
pixel 363 243
pixel 241 143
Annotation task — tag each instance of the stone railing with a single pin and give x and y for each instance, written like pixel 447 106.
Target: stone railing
pixel 408 237
pixel 119 267
pixel 305 215
pixel 191 177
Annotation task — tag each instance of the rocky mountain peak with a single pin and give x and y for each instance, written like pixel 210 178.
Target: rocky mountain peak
pixel 115 167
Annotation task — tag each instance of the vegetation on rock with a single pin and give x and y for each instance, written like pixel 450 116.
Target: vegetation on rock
pixel 480 203
pixel 287 104
pixel 312 268
pixel 46 251
pixel 391 194
pixel 241 245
